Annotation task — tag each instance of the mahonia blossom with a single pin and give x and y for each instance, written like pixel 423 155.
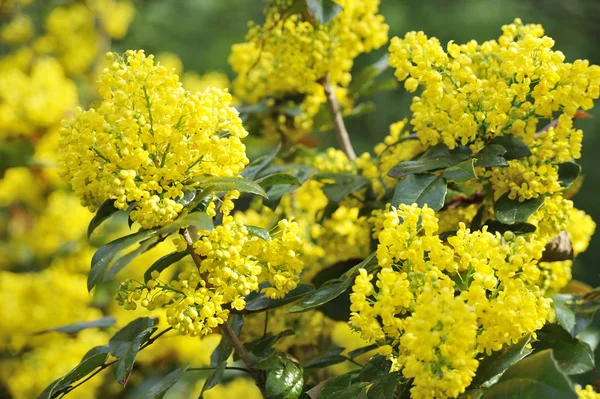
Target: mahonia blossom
pixel 289 53
pixel 497 301
pixel 147 138
pixel 586 393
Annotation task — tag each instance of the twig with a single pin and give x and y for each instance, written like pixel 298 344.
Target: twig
pixel 338 121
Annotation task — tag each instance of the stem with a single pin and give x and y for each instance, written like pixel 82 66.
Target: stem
pixel 190 247
pixel 338 121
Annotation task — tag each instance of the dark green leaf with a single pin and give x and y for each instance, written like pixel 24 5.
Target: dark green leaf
pixel 285 382
pixel 375 368
pixel 517 228
pixel 201 220
pixel 326 359
pixel 124 260
pixel 123 338
pixel 263 347
pixel 573 356
pixel 340 387
pixel 301 172
pixel 76 327
pixel 189 195
pixel 105 254
pixel 565 316
pixel 515 148
pixel 106 210
pixel 536 376
pixel 257 302
pixel 492 366
pixel 214 377
pixel 259 232
pixel 461 172
pixel 127 359
pixel 224 349
pixel 421 189
pixel 439 157
pixel 510 211
pixel 96 350
pixel 343 184
pixel 384 387
pixel 364 80
pixel 361 351
pixel 164 262
pixel 324 11
pixel 81 370
pixel 472 394
pixel 217 184
pixel 568 173
pixel 491 156
pixel 260 163
pixel 278 178
pixel 159 389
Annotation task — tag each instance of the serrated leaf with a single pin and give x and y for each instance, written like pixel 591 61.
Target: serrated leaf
pixel 164 262
pixel 214 377
pixel 515 147
pixel 256 166
pixel 510 211
pixel 256 301
pixel 461 172
pixel 105 254
pixel 343 184
pixel 123 338
pixel 324 11
pixel 340 387
pixel 124 260
pixel 286 381
pixel 76 327
pixel 106 210
pixel 421 189
pixel 375 368
pixel 491 156
pixel 517 228
pixel 201 220
pixel 278 178
pixel 326 359
pixel 259 232
pixel 439 157
pixel 81 370
pixel 492 366
pixel 217 184
pixel 573 356
pixel 536 376
pixel 158 390
pixel 127 359
pixel 384 387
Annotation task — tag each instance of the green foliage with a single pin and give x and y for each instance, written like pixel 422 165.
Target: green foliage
pixel 323 10
pixel 421 189
pixel 510 211
pixel 158 390
pixel 73 328
pixel 164 262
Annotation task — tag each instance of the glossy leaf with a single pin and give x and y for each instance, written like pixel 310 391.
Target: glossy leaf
pixel 123 338
pixel 326 359
pixel 214 377
pixel 515 147
pixel 340 387
pixel 573 356
pixel 375 368
pixel 421 189
pixel 159 389
pixel 105 254
pixel 81 370
pixel 301 172
pixel 361 351
pixel 259 232
pixel 461 172
pixel 491 156
pixel 256 166
pixel 568 173
pixel 285 382
pixel 264 346
pixel 127 359
pixel 76 327
pixel 384 387
pixel 164 262
pixel 439 157
pixel 124 260
pixel 492 366
pixel 224 349
pixel 339 185
pixel 106 210
pixel 324 11
pixel 200 220
pixel 510 211
pixel 217 184
pixel 278 178
pixel 258 302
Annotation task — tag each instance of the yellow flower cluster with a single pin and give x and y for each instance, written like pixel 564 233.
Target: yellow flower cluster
pixel 413 300
pixel 19 30
pixel 147 138
pixel 586 393
pixel 473 92
pixel 290 52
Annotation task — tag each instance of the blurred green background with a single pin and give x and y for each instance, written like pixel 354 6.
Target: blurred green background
pixel 201 32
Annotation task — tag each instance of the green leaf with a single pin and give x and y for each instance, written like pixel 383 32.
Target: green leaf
pixel 105 254
pixel 573 356
pixel 439 157
pixel 124 260
pixel 217 184
pixel 375 368
pixel 201 220
pixel 568 173
pixel 361 351
pixel 76 327
pixel 158 390
pixel 256 302
pixel 384 387
pixel 343 184
pixel 565 316
pixel 421 189
pixel 278 178
pixel 515 148
pixel 365 79
pixel 189 195
pixel 326 359
pixel 491 156
pixel 214 377
pixel 301 172
pixel 324 11
pixel 259 232
pixel 96 350
pixel 164 262
pixel 340 387
pixel 285 382
pixel 536 376
pixel 123 338
pixel 510 211
pixel 263 346
pixel 256 166
pixel 461 172
pixel 224 349
pixel 492 366
pixel 106 210
pixel 517 228
pixel 127 359
pixel 81 370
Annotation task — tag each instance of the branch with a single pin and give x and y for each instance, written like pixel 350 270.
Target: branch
pixel 338 121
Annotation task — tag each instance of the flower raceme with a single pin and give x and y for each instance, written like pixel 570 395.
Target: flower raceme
pixel 146 138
